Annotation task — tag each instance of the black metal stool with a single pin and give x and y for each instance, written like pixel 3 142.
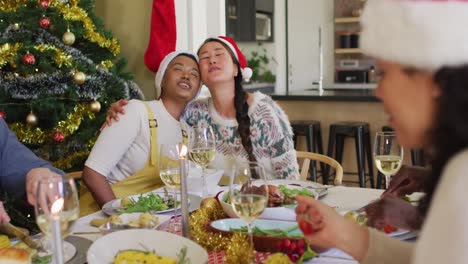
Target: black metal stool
pixel 417 159
pixel 313 133
pixel 360 131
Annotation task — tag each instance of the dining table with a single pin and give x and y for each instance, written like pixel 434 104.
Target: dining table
pixel 340 197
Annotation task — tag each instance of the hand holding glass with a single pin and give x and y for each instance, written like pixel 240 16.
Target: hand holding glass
pixel 248 192
pixel 169 171
pixel 202 147
pixel 388 154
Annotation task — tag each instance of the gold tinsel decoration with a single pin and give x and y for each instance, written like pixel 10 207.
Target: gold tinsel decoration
pixel 11 5
pixel 8 53
pixel 106 64
pixel 70 12
pixel 60 58
pixel 234 245
pixel 29 135
pixel 66 163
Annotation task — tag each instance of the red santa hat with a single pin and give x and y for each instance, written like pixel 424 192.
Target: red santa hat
pixel 246 71
pixel 425 34
pixel 163 67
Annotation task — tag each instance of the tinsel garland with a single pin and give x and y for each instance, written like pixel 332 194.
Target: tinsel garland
pixel 66 163
pixel 35 135
pixel 8 53
pixel 75 13
pixel 60 58
pixel 72 13
pixel 234 245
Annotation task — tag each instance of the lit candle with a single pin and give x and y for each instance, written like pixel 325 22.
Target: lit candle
pixel 56 232
pixel 183 192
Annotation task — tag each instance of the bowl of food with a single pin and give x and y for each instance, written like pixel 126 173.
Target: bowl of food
pixel 281 202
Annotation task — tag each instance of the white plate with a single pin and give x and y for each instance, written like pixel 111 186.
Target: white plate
pixel 134 217
pixel 272 213
pixel 113 207
pixel 320 189
pixel 227 224
pixel 105 248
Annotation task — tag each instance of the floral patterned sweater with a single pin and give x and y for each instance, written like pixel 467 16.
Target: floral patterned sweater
pixel 270 133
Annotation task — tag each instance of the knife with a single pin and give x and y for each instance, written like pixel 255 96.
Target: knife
pixel 14 231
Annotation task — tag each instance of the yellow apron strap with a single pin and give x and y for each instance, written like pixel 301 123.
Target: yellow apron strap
pixel 153 125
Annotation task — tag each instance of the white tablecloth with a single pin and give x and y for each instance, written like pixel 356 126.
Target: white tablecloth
pixel 343 198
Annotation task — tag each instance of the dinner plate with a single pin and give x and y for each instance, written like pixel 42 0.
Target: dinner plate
pixel 166 244
pixel 320 189
pixel 226 225
pixel 127 219
pixel 113 207
pixel 69 250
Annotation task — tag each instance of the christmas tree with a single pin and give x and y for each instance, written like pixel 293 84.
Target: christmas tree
pixel 58 72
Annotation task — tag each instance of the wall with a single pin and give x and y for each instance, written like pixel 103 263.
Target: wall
pixel 130 24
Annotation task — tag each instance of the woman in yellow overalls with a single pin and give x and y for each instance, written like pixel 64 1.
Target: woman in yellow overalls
pixel 116 167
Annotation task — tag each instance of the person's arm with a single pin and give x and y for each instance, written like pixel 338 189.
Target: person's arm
pixel 16 162
pixel 110 147
pixel 98 186
pixel 409 179
pixel 4 218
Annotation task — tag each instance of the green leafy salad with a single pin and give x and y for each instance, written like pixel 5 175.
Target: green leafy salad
pixel 147 203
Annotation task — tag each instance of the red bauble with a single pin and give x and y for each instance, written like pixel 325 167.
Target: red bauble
pixel 44 3
pixel 29 59
pixel 2 115
pixel 44 22
pixel 59 137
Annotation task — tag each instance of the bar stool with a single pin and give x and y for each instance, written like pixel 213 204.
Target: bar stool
pixel 417 159
pixel 360 131
pixel 313 133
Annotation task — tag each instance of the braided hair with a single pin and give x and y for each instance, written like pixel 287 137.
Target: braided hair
pixel 450 133
pixel 241 106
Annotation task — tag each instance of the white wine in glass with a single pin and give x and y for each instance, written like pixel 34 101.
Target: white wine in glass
pixel 202 148
pixel 248 193
pixel 49 190
pixel 388 154
pixel 169 171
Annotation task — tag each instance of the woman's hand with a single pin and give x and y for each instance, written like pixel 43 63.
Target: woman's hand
pixel 393 211
pixel 323 227
pixel 113 112
pixel 407 180
pixel 4 218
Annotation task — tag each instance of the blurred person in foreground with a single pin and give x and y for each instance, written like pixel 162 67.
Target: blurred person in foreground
pixel 424 89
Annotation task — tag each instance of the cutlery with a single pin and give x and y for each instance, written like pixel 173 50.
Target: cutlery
pixel 12 230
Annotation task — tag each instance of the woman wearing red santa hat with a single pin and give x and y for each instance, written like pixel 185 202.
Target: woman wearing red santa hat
pixel 248 126
pixel 424 90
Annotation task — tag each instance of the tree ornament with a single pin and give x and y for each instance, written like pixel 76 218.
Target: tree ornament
pixel 16 26
pixel 44 3
pixel 95 106
pixel 58 136
pixel 2 115
pixel 79 77
pixel 44 22
pixel 31 119
pixel 68 38
pixel 29 59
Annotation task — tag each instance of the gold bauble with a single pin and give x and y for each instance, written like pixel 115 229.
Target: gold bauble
pixel 209 203
pixel 31 119
pixel 16 26
pixel 68 38
pixel 79 77
pixel 95 106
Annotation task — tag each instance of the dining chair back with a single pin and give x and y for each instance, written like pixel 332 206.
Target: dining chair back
pixel 307 157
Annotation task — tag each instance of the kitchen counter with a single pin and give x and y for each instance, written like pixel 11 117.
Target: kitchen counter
pixel 337 95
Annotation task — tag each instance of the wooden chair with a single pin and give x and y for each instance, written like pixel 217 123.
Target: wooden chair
pixel 310 156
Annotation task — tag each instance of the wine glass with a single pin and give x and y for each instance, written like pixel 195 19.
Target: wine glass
pixel 169 171
pixel 248 193
pixel 51 191
pixel 202 148
pixel 388 154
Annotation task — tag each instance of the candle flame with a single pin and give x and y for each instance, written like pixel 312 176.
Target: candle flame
pixel 183 152
pixel 57 206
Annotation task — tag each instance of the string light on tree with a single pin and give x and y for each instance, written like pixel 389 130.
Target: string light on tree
pixel 31 119
pixel 16 26
pixel 95 106
pixel 44 22
pixel 79 77
pixel 29 59
pixel 68 38
pixel 44 3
